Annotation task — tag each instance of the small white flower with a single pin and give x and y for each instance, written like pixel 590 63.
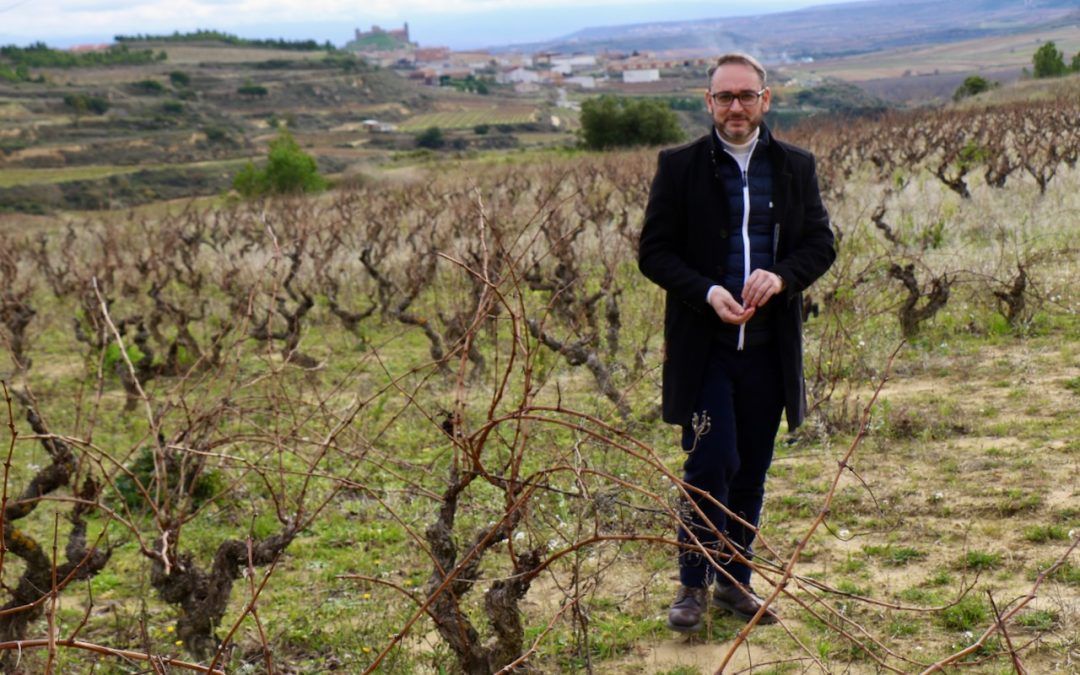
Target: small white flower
pixel 519 536
pixel 968 634
pixel 1072 534
pixel 844 534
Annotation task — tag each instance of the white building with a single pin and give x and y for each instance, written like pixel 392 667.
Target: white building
pixel 642 75
pixel 583 81
pixel 575 62
pixel 517 76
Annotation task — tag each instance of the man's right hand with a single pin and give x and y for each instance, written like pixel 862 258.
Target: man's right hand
pixel 727 308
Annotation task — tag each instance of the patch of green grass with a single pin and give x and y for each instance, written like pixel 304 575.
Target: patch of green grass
pixel 1040 534
pixel 1068 573
pixel 1039 619
pixel 894 556
pixel 1016 500
pixel 1073 385
pixel 682 670
pixel 902 627
pixel 615 633
pixel 921 596
pixel 793 505
pixel 851 565
pixel 846 586
pixel 967 614
pixel 980 560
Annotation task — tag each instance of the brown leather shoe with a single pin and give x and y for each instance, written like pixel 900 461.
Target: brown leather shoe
pixel 688 611
pixel 742 601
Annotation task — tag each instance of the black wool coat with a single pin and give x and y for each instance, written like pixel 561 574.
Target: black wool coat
pixel 684 244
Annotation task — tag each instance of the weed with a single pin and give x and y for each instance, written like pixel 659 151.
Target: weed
pixel 1039 619
pixel 980 560
pixel 921 596
pixel 902 627
pixel 1016 500
pixel 1073 385
pixel 1040 534
pixel 896 557
pixel 967 614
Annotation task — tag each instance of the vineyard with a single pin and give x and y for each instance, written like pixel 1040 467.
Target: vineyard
pixel 468 119
pixel 413 426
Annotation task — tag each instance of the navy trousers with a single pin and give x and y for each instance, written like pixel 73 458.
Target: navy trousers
pixel 728 454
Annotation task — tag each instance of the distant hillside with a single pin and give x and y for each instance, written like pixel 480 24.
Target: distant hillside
pixel 829 30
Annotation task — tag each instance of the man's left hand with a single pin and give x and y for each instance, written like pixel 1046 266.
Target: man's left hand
pixel 761 286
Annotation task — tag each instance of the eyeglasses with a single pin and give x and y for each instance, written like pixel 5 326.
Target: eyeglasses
pixel 746 98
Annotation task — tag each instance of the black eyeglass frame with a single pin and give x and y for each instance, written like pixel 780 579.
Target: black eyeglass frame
pixel 742 96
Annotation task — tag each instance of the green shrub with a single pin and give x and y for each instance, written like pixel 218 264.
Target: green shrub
pixel 172 108
pixel 200 485
pixel 289 170
pixel 148 86
pixel 1040 534
pixel 980 560
pixel 215 134
pixel 612 122
pixel 81 103
pixel 432 138
pixel 180 79
pixel 973 85
pixel 967 614
pixel 251 89
pixel 1039 619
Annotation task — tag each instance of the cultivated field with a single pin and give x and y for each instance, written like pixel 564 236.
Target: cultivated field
pixel 472 116
pixel 989 54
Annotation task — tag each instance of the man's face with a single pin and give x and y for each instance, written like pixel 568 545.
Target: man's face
pixel 737 122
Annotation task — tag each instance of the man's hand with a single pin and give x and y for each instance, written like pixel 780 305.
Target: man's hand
pixel 727 308
pixel 760 286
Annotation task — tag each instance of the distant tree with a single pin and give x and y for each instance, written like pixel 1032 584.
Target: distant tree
pixel 1075 65
pixel 973 85
pixel 217 134
pixel 481 129
pixel 432 138
pixel 148 86
pixel 98 105
pixel 611 122
pixel 180 79
pixel 1049 61
pixel 82 104
pixel 288 170
pixel 77 103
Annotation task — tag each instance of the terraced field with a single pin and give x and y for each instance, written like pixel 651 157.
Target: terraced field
pixel 465 119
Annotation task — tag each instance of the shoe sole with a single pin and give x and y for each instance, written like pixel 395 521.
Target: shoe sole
pixel 696 628
pixel 766 618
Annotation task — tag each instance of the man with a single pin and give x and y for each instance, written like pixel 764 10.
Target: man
pixel 734 231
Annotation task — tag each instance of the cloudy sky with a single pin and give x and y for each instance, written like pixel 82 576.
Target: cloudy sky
pixel 456 23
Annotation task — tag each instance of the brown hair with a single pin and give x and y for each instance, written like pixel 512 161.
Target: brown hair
pixel 738 57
